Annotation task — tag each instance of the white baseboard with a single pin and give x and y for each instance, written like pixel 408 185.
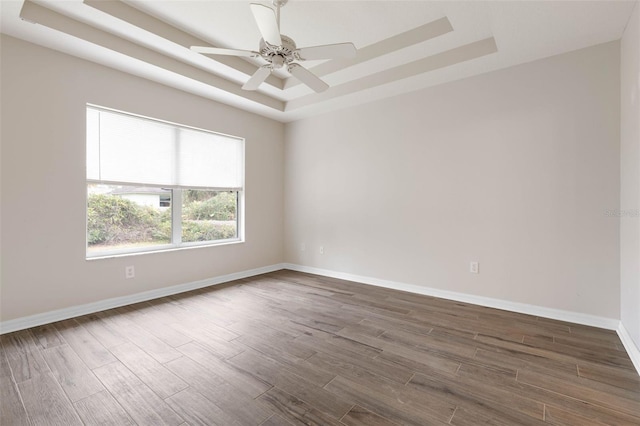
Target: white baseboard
pixel 523 308
pixel 574 317
pixel 629 346
pixel 89 308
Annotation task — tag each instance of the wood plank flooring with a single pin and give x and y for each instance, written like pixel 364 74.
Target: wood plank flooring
pixel 296 349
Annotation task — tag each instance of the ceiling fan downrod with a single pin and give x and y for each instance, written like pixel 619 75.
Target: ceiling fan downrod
pixel 278 4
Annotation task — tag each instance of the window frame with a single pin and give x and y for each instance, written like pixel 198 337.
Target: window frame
pixel 176 204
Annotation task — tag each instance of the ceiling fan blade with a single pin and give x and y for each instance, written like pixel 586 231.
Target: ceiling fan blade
pixel 257 78
pixel 328 51
pixel 267 23
pixel 308 78
pixel 227 52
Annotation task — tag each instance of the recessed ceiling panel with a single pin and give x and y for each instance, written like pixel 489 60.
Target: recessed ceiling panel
pixel 403 45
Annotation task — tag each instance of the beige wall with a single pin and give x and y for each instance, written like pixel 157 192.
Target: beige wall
pixel 514 169
pixel 630 177
pixel 43 183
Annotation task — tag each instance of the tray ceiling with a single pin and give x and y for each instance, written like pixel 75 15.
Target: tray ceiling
pixel 402 45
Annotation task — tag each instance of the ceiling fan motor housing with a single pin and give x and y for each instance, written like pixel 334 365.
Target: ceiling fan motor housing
pixel 278 55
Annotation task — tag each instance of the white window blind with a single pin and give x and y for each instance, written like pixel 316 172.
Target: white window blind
pixel 132 150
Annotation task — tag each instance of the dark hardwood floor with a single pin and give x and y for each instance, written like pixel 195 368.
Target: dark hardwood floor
pixel 290 348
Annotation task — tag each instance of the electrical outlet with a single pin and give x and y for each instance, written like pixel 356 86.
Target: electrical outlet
pixel 474 267
pixel 303 247
pixel 129 272
pixel 321 250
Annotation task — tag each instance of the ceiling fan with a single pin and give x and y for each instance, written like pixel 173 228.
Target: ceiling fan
pixel 280 51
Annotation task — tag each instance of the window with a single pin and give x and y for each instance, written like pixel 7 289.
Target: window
pixel 153 185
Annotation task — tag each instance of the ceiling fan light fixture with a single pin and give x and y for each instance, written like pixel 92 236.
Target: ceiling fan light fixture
pixel 277 62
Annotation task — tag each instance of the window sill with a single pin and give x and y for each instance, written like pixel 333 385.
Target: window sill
pixel 163 249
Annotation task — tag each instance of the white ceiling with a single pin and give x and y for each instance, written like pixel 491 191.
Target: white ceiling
pixel 403 45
